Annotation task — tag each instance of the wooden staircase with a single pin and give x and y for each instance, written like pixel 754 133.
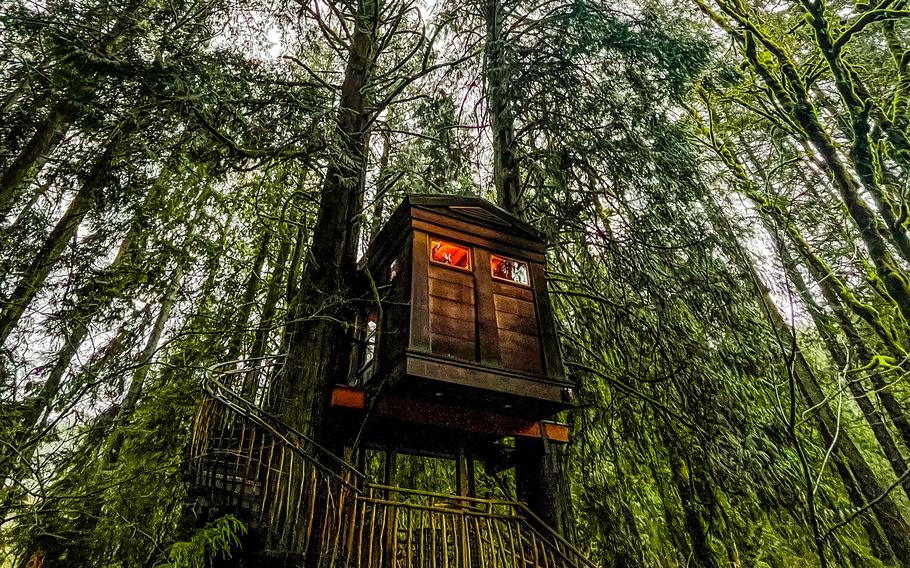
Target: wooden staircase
pixel 310 507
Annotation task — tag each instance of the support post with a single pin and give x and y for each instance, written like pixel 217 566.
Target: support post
pixel 464 472
pixel 389 477
pixel 541 481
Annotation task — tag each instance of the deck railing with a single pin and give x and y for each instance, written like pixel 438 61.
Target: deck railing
pixel 305 502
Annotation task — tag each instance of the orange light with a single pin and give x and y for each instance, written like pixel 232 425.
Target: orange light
pixel 451 254
pixel 508 269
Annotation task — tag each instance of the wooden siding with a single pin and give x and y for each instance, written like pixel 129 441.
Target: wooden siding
pixel 516 320
pixel 453 329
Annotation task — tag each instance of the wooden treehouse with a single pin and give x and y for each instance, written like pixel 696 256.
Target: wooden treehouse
pixel 456 357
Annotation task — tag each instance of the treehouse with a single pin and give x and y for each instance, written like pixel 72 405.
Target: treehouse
pixel 455 357
pixel 459 338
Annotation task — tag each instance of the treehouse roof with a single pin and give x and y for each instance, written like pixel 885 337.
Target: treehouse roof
pixel 459 210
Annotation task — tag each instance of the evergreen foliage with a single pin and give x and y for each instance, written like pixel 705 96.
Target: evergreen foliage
pixel 724 186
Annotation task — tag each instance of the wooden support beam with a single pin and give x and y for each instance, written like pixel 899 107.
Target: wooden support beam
pixel 462 465
pixel 344 396
pixel 471 420
pixel 552 431
pixel 487 330
pixel 420 293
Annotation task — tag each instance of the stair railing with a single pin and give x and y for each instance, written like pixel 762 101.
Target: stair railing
pixel 305 502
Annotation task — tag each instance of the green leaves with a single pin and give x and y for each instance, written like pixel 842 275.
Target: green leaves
pixel 216 541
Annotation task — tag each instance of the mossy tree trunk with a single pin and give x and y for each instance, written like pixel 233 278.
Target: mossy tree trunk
pixel 319 343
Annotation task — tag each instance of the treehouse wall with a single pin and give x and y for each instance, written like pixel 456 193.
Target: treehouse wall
pixel 469 314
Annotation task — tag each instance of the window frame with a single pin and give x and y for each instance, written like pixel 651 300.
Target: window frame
pixel 526 264
pixel 468 269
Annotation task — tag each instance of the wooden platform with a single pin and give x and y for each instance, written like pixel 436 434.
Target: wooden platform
pixel 422 427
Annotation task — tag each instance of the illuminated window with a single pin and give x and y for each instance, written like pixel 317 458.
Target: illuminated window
pixel 451 254
pixel 511 270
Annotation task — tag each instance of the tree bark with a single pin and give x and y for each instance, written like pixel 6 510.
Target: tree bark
pixel 319 343
pixel 506 176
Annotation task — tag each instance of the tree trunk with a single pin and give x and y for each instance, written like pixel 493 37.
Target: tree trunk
pixel 796 102
pixel 866 485
pixel 872 416
pixel 379 199
pixel 860 105
pixel 541 481
pixel 693 518
pixel 84 313
pixel 144 361
pixel 779 220
pixel 42 142
pixel 827 331
pixel 63 232
pixel 242 323
pixel 499 107
pixel 319 344
pixel 260 338
pixel 542 476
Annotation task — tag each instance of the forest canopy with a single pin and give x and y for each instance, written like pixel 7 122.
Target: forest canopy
pixel 723 185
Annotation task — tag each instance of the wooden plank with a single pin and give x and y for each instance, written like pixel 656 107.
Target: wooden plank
pixel 474 420
pixel 457 276
pixel 452 309
pixel 513 290
pixel 555 431
pixel 488 334
pixel 453 327
pixel 518 341
pixel 466 374
pixel 514 306
pixel 522 360
pixel 552 357
pixel 440 288
pixel 454 346
pixel 420 294
pixel 517 323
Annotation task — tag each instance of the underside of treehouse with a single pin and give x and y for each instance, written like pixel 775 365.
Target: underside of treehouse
pixel 418 427
pixel 457 336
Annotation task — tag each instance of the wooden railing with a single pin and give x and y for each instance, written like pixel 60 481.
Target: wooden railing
pixel 306 503
pixel 410 528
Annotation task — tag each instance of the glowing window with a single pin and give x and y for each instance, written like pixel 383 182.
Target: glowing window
pixel 451 254
pixel 511 270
